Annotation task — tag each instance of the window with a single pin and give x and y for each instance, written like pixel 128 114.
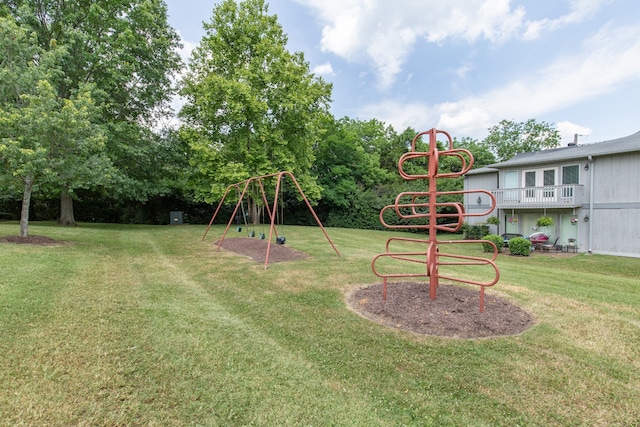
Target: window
pixel 530 181
pixel 570 175
pixel 549 180
pixel 550 177
pixel 540 183
pixel 511 181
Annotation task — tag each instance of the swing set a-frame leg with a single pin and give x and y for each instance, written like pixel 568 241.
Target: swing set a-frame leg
pixel 275 209
pixel 233 215
pixel 271 211
pixel 218 209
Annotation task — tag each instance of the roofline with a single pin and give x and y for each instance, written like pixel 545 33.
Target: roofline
pixel 627 144
pixel 482 170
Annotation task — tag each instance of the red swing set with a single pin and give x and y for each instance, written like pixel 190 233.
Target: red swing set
pixel 271 209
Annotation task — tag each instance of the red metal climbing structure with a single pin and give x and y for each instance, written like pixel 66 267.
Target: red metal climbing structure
pixel 424 209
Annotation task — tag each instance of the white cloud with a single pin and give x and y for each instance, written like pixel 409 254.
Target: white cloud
pixel 384 33
pixel 463 70
pixel 187 48
pixel 609 59
pixel 400 115
pixel 579 11
pixel 323 69
pixel 568 131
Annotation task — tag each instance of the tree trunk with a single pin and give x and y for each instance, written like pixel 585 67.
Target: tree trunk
pixel 254 214
pixel 66 209
pixel 26 203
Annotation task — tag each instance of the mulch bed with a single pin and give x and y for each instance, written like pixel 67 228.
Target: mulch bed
pixel 454 313
pixel 31 240
pixel 256 249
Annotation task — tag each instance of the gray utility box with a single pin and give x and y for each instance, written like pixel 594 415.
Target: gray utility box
pixel 175 218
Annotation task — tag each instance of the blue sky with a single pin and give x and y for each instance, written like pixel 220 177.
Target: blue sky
pixel 464 65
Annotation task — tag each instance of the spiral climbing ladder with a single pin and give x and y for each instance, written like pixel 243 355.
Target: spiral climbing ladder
pixel 427 212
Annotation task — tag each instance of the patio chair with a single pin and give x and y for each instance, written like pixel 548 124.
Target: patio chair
pixel 549 247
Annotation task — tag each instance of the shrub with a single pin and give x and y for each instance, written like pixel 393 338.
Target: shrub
pixel 494 238
pixel 520 246
pixel 475 232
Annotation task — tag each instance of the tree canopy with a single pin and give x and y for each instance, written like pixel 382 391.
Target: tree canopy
pixel 348 160
pixel 44 139
pixel 252 107
pixel 509 138
pixel 126 51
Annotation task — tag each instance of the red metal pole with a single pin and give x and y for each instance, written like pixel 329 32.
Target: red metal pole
pixel 433 193
pixel 273 218
pixel 312 211
pixel 217 209
pixel 433 258
pixel 233 215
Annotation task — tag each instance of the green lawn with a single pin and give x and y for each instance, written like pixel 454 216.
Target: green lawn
pixel 142 325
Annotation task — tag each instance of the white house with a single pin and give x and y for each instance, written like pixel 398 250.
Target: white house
pixel 591 191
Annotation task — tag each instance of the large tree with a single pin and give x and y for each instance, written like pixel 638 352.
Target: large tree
pixel 252 107
pixel 348 160
pixel 43 138
pixel 127 51
pixel 509 138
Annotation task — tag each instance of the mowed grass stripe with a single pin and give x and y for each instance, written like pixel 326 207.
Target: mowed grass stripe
pixel 139 325
pixel 128 338
pixel 247 377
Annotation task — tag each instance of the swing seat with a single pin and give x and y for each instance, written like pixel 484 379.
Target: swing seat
pixel 252 233
pixel 261 236
pixel 239 229
pixel 280 240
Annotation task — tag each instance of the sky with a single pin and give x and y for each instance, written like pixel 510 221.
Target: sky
pixel 464 65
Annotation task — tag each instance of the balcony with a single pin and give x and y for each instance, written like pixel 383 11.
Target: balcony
pixel 549 196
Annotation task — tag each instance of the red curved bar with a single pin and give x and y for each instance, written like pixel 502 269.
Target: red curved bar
pixel 424 205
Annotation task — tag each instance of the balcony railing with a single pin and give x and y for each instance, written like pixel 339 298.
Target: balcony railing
pixel 549 196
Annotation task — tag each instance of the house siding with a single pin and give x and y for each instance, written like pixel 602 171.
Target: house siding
pixel 483 182
pixel 615 220
pixel 616 232
pixel 606 221
pixel 616 179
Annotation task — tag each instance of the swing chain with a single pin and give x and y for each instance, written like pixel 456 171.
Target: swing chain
pixel 280 240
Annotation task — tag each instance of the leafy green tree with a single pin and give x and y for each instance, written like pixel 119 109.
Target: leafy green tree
pixel 127 51
pixel 43 138
pixel 395 146
pixel 482 155
pixel 252 107
pixel 509 138
pixel 348 160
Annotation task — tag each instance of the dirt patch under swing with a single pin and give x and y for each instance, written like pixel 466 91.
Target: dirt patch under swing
pixel 256 249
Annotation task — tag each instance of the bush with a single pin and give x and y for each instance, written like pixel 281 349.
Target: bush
pixel 520 246
pixel 475 232
pixel 494 238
